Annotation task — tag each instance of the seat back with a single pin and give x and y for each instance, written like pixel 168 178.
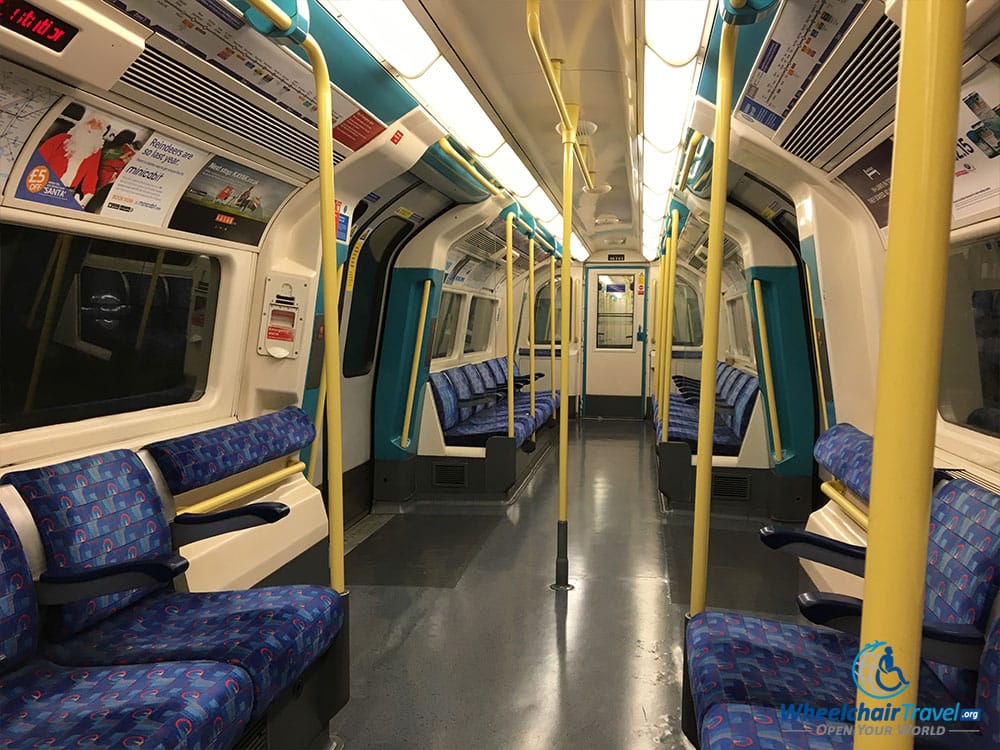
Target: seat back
pixel 499 370
pixel 988 694
pixel 201 458
pixel 94 511
pixel 744 398
pixel 18 608
pixel 477 383
pixel 846 452
pixel 463 388
pixel 489 379
pixel 445 399
pixel 963 557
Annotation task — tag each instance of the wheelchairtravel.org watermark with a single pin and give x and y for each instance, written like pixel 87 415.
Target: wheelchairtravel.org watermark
pixel 877 676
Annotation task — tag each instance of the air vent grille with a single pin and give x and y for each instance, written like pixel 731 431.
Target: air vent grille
pixel 730 487
pixel 483 241
pixel 449 475
pixel 867 75
pixel 166 79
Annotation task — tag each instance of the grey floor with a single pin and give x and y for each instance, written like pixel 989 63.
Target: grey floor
pixel 465 646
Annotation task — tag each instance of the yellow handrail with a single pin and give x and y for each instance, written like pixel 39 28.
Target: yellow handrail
pixel 661 325
pixel 509 228
pixel 835 491
pixel 710 336
pixel 552 328
pixel 765 354
pixel 321 404
pixel 418 347
pixel 49 322
pixel 328 234
pixel 668 325
pixel 531 322
pixel 465 164
pixel 150 294
pixel 567 118
pixel 906 396
pixel 819 363
pixel 238 493
pixel 689 159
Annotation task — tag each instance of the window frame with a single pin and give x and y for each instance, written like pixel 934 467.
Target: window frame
pixel 493 304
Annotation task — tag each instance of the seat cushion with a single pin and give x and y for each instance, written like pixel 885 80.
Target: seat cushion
pixel 846 452
pixel 274 634
pixel 738 658
pixel 731 725
pixel 18 610
pixel 201 458
pixel 191 705
pixel 94 511
pixel 474 432
pixel 445 399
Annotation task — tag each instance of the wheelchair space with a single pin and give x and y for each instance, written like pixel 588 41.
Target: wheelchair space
pixel 487 656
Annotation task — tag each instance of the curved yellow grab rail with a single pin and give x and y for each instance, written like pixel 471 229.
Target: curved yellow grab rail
pixel 468 167
pixel 418 347
pixel 328 234
pixel 765 354
pixel 710 335
pixel 835 491
pixel 689 159
pixel 906 394
pixel 566 117
pixel 238 493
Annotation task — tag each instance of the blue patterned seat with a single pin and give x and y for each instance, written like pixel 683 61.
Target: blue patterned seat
pixel 104 509
pixel 192 705
pixel 735 658
pixel 732 725
pixel 846 452
pixel 201 458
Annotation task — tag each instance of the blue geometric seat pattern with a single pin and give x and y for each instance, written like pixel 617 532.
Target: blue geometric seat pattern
pixel 846 452
pixel 94 511
pixel 472 425
pixel 273 634
pixel 190 705
pixel 735 389
pixel 201 458
pixel 728 726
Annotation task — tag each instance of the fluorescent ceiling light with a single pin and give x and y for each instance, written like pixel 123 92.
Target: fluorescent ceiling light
pixel 650 252
pixel 510 170
pixel 658 168
pixel 390 31
pixel 651 232
pixel 674 28
pixel 444 93
pixel 538 203
pixel 665 101
pixel 577 250
pixel 654 205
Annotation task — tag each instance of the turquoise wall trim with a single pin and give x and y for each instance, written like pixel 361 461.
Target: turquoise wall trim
pixel 790 347
pixel 435 158
pixel 751 38
pixel 807 247
pixel 406 289
pixel 352 69
pixel 310 396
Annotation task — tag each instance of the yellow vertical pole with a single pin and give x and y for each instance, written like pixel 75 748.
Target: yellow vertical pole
pixel 910 344
pixel 819 362
pixel 654 335
pixel 510 323
pixel 662 337
pixel 765 354
pixel 668 326
pixel 531 321
pixel 418 347
pixel 328 239
pixel 150 295
pixel 710 339
pixel 552 328
pixel 61 248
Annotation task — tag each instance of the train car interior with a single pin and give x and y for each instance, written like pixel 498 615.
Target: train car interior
pixel 453 374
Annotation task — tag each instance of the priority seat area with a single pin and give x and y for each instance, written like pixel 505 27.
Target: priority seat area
pixel 471 403
pixel 228 664
pixel 736 393
pixel 742 669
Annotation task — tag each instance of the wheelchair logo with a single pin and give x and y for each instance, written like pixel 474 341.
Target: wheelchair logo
pixel 876 674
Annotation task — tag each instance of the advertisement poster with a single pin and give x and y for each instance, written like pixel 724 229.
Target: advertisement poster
pixel 869 179
pixel 803 37
pixel 977 147
pixel 218 35
pixel 229 201
pixel 23 104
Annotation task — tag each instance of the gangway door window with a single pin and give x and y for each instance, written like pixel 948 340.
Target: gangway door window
pixel 92 327
pixel 543 305
pixel 687 315
pixel 970 363
pixel 615 311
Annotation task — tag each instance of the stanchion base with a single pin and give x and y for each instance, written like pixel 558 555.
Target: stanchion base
pixel 561 586
pixel 562 559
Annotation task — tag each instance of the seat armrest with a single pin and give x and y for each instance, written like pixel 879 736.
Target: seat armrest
pixel 61 586
pixel 484 399
pixel 945 642
pixel 690 388
pixel 816 547
pixel 192 527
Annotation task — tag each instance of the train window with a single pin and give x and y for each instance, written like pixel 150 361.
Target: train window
pixel 615 312
pixel 93 327
pixel 740 326
pixel 370 276
pixel 970 365
pixel 447 327
pixel 543 301
pixel 687 315
pixel 477 333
